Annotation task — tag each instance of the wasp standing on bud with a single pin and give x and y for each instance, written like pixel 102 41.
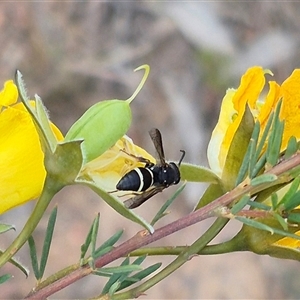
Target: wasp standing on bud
pixel 153 178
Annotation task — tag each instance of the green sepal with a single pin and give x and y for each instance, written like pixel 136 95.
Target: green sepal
pixel 237 150
pixel 117 205
pixel 39 116
pixel 65 163
pixel 194 173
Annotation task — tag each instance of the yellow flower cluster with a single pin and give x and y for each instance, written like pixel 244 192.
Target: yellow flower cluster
pixel 251 92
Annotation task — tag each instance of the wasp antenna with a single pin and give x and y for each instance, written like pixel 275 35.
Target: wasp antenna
pixel 182 157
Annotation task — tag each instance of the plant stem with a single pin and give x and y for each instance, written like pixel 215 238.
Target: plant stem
pixel 187 254
pixel 51 188
pixel 143 237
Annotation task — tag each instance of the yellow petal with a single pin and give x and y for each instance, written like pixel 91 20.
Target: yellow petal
pixel 289 243
pixel 22 170
pixel 227 114
pixel 270 103
pixel 290 112
pixel 252 83
pixel 9 94
pixel 107 169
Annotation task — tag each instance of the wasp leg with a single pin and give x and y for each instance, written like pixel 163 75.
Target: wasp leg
pixel 138 158
pixel 131 193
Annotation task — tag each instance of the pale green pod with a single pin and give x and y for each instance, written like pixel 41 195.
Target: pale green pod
pixel 103 124
pixel 100 127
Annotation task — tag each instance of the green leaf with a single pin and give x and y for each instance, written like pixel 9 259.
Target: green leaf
pixel 237 150
pixel 292 147
pixel 274 199
pixel 264 136
pixel 120 269
pixel 6 227
pixel 240 204
pixel 5 277
pixel 108 243
pixel 264 178
pixel 293 202
pixel 114 287
pixel 94 239
pixel 252 145
pixel 161 213
pixel 258 205
pixel 259 165
pixel 47 241
pixel 274 148
pixel 275 137
pixel 33 256
pixel 291 191
pixel 117 205
pixel 261 226
pixel 114 278
pixel 194 173
pixel 281 221
pixel 139 276
pixel 84 247
pixel 294 217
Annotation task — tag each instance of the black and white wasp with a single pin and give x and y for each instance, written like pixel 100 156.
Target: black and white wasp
pixel 151 179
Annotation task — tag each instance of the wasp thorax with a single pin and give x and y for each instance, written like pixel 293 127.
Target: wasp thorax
pixel 167 175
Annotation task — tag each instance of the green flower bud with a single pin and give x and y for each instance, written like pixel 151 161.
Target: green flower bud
pixel 103 124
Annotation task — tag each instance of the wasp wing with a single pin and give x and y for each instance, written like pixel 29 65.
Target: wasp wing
pixel 157 141
pixel 141 198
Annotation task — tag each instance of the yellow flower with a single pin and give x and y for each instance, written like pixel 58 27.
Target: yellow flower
pixel 22 169
pixel 261 106
pixel 250 92
pixel 107 169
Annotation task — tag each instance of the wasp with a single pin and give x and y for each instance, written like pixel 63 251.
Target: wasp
pixel 151 179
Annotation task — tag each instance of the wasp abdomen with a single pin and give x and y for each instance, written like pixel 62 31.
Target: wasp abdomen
pixel 138 180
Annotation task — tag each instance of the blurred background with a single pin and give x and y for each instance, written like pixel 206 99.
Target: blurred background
pixel 74 54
